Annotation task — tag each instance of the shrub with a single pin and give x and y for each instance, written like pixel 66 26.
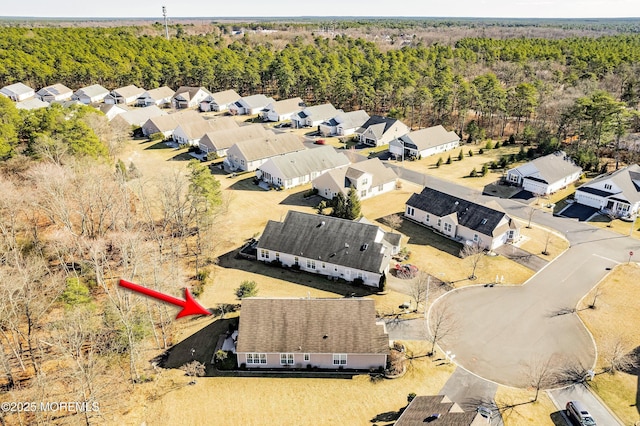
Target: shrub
pixel 276 262
pixel 512 140
pixel 474 173
pixel 449 160
pixel 485 169
pixel 158 136
pixel 497 145
pixel 489 145
pixel 358 281
pixel 411 396
pixel 295 267
pixel 481 151
pixel 310 193
pixel 460 156
pixel 439 162
pixel 470 153
pixel 247 289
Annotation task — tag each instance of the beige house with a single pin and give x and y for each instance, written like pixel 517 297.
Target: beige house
pixel 462 220
pixel 218 142
pixel 90 94
pixel 311 333
pixel 219 101
pixel 250 154
pixel 56 92
pixel 124 95
pixel 281 110
pixel 159 97
pixel 369 178
pixel 18 92
pixel 378 130
pixel 167 124
pixel 189 97
pixel 192 131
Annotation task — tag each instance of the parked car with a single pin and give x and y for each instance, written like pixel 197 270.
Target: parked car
pixel 578 414
pixel 320 142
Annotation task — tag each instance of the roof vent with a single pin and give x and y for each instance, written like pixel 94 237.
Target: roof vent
pixel 484 221
pixel 456 203
pixel 321 224
pixel 346 245
pixel 364 247
pixel 325 337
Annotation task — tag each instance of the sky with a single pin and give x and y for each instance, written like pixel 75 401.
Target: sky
pixel 251 8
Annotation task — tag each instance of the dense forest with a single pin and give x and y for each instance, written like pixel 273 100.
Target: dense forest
pixel 73 218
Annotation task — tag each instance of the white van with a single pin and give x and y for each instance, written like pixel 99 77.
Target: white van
pixel 578 413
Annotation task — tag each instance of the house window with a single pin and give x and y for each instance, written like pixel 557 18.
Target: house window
pixel 426 218
pixel 339 359
pixel 264 254
pixel 295 261
pixel 286 359
pixel 475 238
pixel 365 181
pixel 439 222
pixel 277 256
pixel 363 193
pixel 256 358
pixel 410 211
pixel 447 227
pixel 323 265
pixel 510 235
pixel 242 162
pixel 380 187
pixel 311 264
pixel 307 357
pixel 513 178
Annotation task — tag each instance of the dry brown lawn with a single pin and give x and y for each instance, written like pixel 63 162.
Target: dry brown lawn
pixel 617 225
pixel 284 401
pixel 458 171
pixel 519 411
pixel 537 238
pixel 616 319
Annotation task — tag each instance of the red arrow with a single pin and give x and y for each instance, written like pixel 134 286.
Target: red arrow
pixel 189 306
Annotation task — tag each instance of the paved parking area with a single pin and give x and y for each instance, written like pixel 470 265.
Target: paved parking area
pixel 578 211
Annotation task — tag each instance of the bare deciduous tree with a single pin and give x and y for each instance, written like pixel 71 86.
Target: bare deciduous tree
pixel 619 357
pixel 394 221
pixel 419 288
pixel 541 375
pixel 547 240
pixel 473 254
pixel 194 369
pixel 442 324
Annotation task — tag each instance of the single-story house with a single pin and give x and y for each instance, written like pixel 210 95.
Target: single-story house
pixel 338 248
pixel 138 116
pixel 192 131
pixel 378 130
pixel 124 95
pixel 220 141
pixel 313 116
pixel 250 105
pixel 90 94
pixel 300 167
pixel 369 178
pixel 18 92
pixel 219 101
pixel 462 220
pixel 616 193
pixel 159 97
pixel 32 103
pixel 248 155
pixel 440 410
pixel 282 110
pixel 344 124
pixel 305 333
pixel 189 97
pixel 424 142
pixel 545 175
pixel 111 110
pixel 55 92
pixel 166 124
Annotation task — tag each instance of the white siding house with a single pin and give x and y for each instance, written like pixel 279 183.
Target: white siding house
pixel 616 193
pixel 281 110
pixel 124 95
pixel 189 97
pixel 219 101
pixel 90 94
pixel 248 155
pixel 370 178
pixel 159 97
pixel 378 130
pixel 250 105
pixel 56 92
pixel 314 115
pixel 18 92
pixel 545 175
pixel 344 124
pixel 424 142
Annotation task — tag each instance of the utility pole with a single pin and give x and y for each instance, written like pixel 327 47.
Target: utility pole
pixel 166 26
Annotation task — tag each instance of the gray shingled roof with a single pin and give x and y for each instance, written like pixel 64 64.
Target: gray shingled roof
pixel 338 241
pixel 160 93
pixel 428 138
pixel 474 216
pixel 378 125
pixel 257 101
pixel 286 106
pixel 319 112
pixel 346 325
pixel 302 163
pixel 627 179
pixel 552 167
pixel 188 92
pixel 354 119
pixel 225 97
pixel 269 146
pixel 224 139
pixel 422 407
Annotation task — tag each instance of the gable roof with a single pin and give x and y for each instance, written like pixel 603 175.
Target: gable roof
pixel 55 89
pixel 269 146
pixel 302 163
pixel 450 413
pixel 138 116
pixel 188 92
pixel 319 112
pixel 32 103
pixel 196 129
pixel 165 123
pixel 378 125
pixel 551 168
pixel 325 238
pixel 224 139
pixel 428 138
pixel 345 325
pixel 353 119
pixel 17 88
pixel 225 97
pixel 627 179
pixel 340 178
pixel 106 108
pixel 478 217
pixel 91 91
pixel 129 91
pixel 159 93
pixel 287 105
pixel 257 101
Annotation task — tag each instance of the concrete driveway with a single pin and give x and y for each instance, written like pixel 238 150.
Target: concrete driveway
pixel 581 393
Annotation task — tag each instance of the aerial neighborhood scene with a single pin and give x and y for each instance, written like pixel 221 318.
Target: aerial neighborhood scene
pixel 320 214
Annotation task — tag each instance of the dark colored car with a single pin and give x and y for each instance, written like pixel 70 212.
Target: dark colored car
pixel 578 414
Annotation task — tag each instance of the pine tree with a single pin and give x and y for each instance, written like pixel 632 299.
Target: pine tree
pixel 353 210
pixel 460 156
pixel 449 160
pixel 485 169
pixel 339 205
pixel 470 153
pixel 474 173
pixel 439 162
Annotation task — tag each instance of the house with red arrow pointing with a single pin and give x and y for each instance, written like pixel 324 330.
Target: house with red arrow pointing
pixel 311 333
